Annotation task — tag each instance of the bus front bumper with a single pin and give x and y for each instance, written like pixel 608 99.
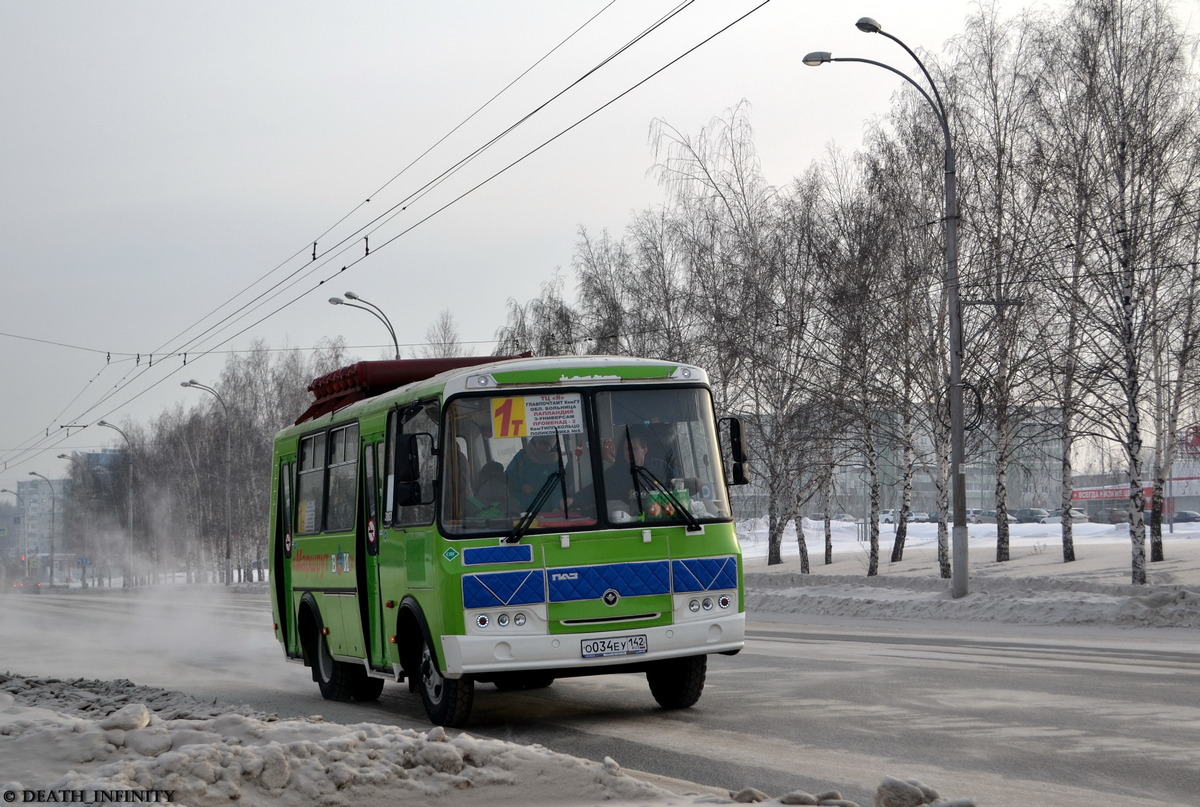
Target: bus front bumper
pixel 472 655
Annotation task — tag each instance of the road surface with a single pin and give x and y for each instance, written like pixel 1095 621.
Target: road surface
pixel 1002 714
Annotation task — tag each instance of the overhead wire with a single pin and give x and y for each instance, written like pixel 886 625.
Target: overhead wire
pixel 681 6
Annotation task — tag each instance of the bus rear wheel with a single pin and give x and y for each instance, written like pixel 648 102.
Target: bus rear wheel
pixel 340 680
pixel 676 683
pixel 447 701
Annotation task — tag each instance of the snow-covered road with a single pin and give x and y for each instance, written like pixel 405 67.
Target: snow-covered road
pixel 979 698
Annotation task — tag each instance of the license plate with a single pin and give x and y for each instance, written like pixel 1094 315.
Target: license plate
pixel 614 646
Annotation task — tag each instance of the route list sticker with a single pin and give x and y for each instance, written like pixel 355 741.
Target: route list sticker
pixel 531 415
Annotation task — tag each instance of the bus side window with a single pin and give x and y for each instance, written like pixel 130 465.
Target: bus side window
pixel 343 478
pixel 310 499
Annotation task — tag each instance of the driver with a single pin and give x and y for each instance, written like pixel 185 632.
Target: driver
pixel 532 466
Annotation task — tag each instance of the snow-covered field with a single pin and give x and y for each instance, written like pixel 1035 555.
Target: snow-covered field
pixel 1034 586
pixel 80 740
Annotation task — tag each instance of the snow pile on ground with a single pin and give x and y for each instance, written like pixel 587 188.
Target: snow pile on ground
pixel 95 735
pixel 75 740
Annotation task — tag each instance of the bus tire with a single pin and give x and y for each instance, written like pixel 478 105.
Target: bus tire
pixel 364 687
pixel 676 683
pixel 340 680
pixel 447 701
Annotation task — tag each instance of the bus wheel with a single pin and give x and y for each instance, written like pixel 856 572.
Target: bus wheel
pixel 447 701
pixel 676 683
pixel 341 681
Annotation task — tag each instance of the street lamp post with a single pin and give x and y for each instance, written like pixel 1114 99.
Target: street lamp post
pixel 24 528
pixel 958 583
pixel 53 507
pixel 228 484
pixel 374 310
pixel 128 581
pixel 83 467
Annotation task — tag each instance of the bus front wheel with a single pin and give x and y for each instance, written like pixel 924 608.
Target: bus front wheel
pixel 676 683
pixel 447 701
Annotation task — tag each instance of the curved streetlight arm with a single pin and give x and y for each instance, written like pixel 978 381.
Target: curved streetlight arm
pixel 374 311
pixel 119 431
pixel 820 57
pixel 194 383
pixel 940 106
pixel 44 479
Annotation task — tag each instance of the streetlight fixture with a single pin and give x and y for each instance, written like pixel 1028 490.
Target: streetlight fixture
pixel 958 472
pixel 193 383
pixel 374 310
pixel 129 575
pixel 24 528
pixel 53 507
pixel 83 569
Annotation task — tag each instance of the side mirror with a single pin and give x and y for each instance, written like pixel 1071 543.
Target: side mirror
pixel 737 452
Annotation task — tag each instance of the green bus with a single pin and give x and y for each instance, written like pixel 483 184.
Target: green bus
pixel 452 521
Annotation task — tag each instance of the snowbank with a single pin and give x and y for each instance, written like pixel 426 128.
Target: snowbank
pixel 87 741
pixel 1034 587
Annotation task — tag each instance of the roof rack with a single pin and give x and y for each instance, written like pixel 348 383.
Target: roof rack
pixel 366 379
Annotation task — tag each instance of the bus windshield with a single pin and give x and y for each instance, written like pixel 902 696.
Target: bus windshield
pixel 581 460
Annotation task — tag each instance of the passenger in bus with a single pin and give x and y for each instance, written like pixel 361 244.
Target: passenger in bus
pixel 491 492
pixel 532 466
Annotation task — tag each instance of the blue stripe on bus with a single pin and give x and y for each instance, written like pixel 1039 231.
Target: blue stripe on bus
pixel 705 574
pixel 628 579
pixel 504 588
pixel 510 553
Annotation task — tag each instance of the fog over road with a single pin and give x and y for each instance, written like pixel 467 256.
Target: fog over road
pixel 1003 714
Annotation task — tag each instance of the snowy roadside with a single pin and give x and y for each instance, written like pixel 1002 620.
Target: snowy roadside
pixel 1034 587
pixel 93 741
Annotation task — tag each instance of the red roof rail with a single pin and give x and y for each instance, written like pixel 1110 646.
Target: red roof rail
pixel 366 379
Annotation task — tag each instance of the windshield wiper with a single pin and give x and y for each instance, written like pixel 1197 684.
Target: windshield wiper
pixel 535 507
pixel 638 472
pixel 539 501
pixel 693 524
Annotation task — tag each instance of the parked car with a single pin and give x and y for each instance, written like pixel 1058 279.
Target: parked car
pixel 918 517
pixel 1186 516
pixel 816 516
pixel 27 585
pixel 989 517
pixel 1031 515
pixel 1115 515
pixel 973 514
pixel 1055 517
pixel 844 517
pixel 888 516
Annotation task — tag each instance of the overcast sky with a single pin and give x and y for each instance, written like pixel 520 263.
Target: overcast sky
pixel 165 161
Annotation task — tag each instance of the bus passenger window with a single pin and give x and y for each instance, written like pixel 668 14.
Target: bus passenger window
pixel 343 477
pixel 310 498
